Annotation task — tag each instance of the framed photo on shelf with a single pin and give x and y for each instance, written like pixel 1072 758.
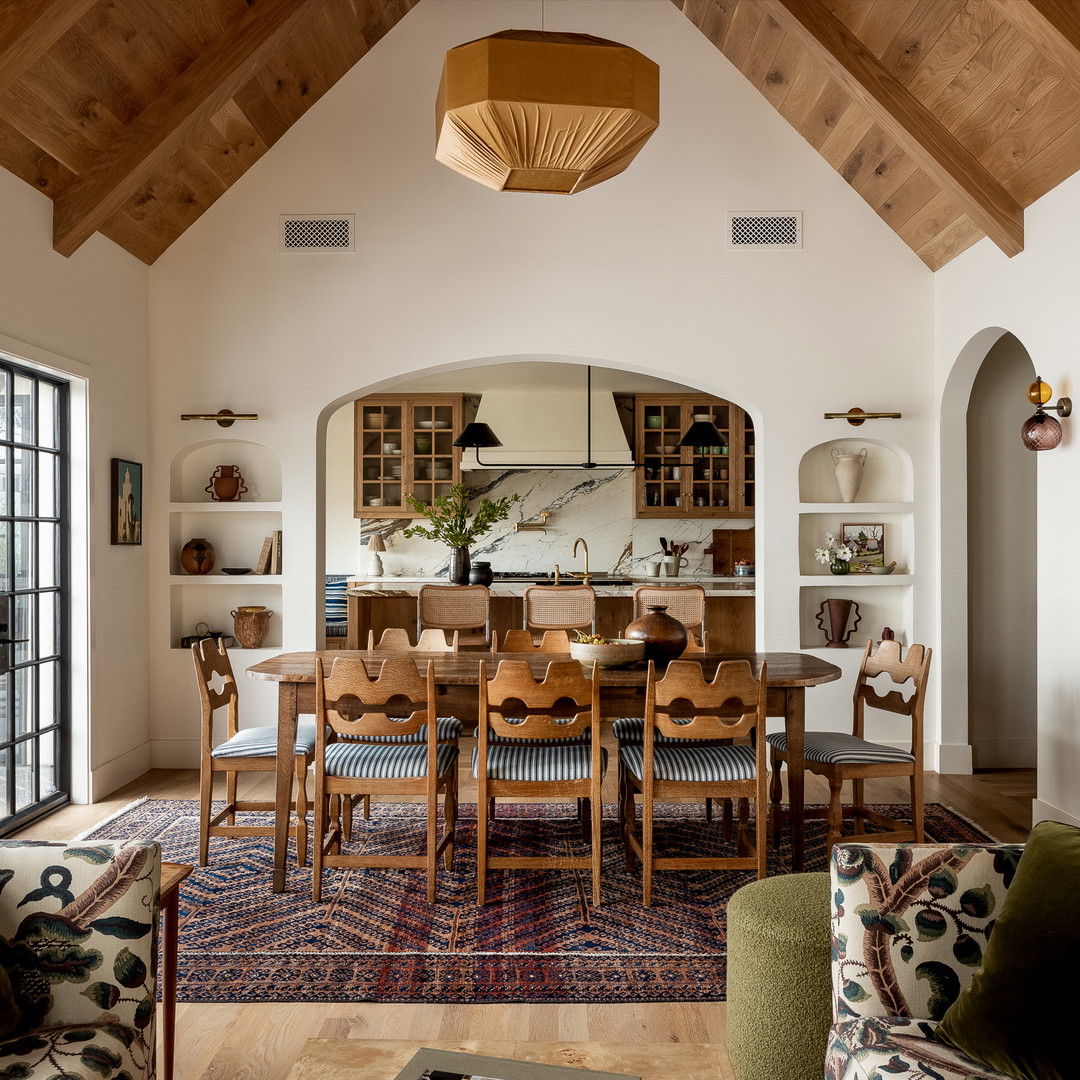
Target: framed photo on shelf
pixel 867 544
pixel 430 1064
pixel 127 501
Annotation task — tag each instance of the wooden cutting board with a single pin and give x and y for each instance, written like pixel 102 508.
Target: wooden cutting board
pixel 728 546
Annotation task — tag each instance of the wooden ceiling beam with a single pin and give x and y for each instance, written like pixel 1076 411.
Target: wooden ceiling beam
pixel 1052 25
pixel 28 34
pixel 904 118
pixel 196 95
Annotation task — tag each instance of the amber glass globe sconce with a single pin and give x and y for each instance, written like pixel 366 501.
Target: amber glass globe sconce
pixel 1041 431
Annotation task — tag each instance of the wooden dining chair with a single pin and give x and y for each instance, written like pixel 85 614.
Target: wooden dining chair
pixel 243 750
pixel 683 602
pixel 521 641
pixel 353 711
pixel 558 607
pixel 464 608
pixel 396 639
pixel 538 755
pixel 838 756
pixel 704 716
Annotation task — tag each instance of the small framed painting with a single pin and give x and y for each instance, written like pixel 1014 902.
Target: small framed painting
pixel 127 502
pixel 867 544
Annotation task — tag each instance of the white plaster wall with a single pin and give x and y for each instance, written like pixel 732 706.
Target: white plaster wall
pixel 633 273
pixel 1033 296
pixel 87 316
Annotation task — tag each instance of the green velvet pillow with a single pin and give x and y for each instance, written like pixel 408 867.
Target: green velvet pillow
pixel 1019 1013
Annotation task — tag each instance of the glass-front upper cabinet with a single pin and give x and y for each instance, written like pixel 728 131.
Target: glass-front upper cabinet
pixel 403 447
pixel 692 481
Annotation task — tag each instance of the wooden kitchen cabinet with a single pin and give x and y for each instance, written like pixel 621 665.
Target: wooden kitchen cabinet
pixel 692 481
pixel 403 446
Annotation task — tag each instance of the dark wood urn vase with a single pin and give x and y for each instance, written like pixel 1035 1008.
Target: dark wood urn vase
pixel 664 636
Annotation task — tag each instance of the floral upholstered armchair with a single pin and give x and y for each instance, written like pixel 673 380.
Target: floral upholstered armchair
pixel 910 924
pixel 78 960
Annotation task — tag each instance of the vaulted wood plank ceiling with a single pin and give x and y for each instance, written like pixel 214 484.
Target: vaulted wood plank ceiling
pixel 947 116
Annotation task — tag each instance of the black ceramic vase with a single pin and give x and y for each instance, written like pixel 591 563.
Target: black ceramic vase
pixel 480 573
pixel 459 566
pixel 665 637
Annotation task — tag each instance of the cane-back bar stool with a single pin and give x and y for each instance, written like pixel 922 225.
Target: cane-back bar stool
pixel 373 721
pixel 464 608
pixel 251 749
pixel 706 764
pixel 838 756
pixel 559 607
pixel 538 755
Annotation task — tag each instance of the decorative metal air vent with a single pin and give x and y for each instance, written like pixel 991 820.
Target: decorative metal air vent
pixel 317 232
pixel 753 230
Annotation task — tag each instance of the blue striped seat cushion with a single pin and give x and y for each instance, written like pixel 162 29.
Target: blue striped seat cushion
pixel 262 742
pixel 337 610
pixel 375 761
pixel 838 748
pixel 702 763
pixel 583 738
pixel 447 729
pixel 569 761
pixel 631 729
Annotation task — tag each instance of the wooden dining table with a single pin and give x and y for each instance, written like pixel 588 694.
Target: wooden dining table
pixel 457 677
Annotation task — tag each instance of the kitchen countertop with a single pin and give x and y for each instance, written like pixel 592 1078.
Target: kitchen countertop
pixel 399 586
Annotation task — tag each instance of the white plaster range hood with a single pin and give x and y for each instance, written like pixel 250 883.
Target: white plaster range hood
pixel 540 428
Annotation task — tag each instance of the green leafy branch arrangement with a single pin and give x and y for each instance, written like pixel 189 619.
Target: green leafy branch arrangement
pixel 450 520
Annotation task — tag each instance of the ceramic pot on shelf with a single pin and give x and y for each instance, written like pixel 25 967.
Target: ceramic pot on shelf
pixel 226 484
pixel 848 470
pixel 664 636
pixel 197 556
pixel 251 624
pixel 837 634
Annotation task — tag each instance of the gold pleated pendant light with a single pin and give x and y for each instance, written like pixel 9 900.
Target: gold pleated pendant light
pixel 529 110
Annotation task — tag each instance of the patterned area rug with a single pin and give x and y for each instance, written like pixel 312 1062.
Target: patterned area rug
pixel 375 937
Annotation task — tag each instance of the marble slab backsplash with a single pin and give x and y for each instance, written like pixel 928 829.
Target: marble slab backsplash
pixel 597 506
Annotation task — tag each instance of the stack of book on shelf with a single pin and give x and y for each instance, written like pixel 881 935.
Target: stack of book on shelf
pixel 270 556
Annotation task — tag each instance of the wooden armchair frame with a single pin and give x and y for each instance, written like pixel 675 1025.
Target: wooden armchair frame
pixel 349 702
pixel 886 658
pixel 212 663
pixel 731 706
pixel 563 689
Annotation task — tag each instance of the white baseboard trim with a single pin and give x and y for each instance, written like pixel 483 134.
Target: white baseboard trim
pixel 114 774
pixel 1044 811
pixel 953 758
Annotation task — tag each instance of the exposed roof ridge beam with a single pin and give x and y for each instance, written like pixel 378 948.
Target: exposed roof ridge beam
pixel 161 128
pixel 26 40
pixel 1053 26
pixel 916 130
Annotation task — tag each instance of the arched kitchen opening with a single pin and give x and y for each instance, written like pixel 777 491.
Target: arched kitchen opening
pixel 551 414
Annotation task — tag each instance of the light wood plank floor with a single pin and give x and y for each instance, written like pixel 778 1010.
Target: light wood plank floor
pixel 260 1042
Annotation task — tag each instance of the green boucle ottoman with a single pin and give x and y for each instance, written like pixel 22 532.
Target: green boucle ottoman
pixel 778 978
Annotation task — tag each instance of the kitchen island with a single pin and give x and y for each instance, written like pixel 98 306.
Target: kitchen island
pixel 379 603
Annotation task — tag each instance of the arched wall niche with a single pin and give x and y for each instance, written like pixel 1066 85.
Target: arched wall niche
pixel 193 466
pixel 887 475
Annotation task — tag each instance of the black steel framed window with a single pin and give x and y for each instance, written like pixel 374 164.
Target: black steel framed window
pixel 35 720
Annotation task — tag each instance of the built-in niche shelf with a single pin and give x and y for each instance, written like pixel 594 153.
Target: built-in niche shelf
pixel 237 530
pixel 884 497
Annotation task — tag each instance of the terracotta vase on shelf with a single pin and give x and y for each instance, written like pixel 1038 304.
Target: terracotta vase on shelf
pixel 664 636
pixel 197 556
pixel 226 484
pixel 251 624
pixel 837 634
